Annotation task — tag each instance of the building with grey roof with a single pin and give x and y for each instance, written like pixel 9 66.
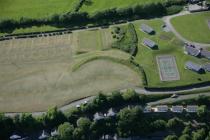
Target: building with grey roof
pixel 14 137
pixel 44 135
pixel 205 53
pixel 192 108
pixel 193 66
pixel 192 50
pixel 98 116
pixel 177 109
pixel 162 108
pixel 111 113
pixel 206 67
pixel 147 29
pixel 149 43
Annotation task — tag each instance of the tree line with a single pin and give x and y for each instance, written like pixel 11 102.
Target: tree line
pixel 76 18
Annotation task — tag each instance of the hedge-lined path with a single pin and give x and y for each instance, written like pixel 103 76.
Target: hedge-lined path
pixel 167 20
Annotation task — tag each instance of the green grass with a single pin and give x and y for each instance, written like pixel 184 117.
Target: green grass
pixel 170 45
pixel 100 5
pixel 193 27
pixel 89 41
pixel 16 9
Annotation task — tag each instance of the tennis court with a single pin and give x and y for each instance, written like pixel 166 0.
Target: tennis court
pixel 167 68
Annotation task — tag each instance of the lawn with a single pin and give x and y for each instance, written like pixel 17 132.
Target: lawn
pixel 90 40
pixel 37 73
pixel 100 5
pixel 16 9
pixel 193 27
pixel 168 44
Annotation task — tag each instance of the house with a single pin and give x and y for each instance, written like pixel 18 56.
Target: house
pixel 44 135
pixel 147 109
pixel 205 53
pixel 193 66
pixel 147 29
pixel 192 50
pixel 111 113
pixel 149 43
pixel 177 109
pixel 206 67
pixel 162 108
pixel 98 116
pixel 192 108
pixel 14 137
pixel 54 133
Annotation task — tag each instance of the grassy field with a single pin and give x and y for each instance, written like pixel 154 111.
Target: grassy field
pixel 168 44
pixel 100 5
pixel 193 27
pixel 16 9
pixel 37 73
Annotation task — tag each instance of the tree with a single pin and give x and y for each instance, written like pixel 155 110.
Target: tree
pixel 185 137
pixel 83 130
pixel 171 137
pixel 159 125
pixel 187 130
pixel 78 134
pixel 27 123
pixel 53 118
pixel 202 111
pixel 199 134
pixel 175 123
pixel 129 121
pixel 66 131
pixel 130 96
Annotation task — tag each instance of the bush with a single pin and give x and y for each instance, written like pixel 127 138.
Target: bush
pixel 174 9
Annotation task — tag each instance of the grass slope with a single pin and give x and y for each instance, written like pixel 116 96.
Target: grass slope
pixel 16 9
pixel 170 45
pixel 100 5
pixel 193 27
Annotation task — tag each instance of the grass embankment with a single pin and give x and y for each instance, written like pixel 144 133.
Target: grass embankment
pixel 101 5
pixel 170 45
pixel 15 9
pixel 194 27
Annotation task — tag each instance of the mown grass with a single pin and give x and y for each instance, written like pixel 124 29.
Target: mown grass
pixel 15 9
pixel 170 45
pixel 100 5
pixel 193 27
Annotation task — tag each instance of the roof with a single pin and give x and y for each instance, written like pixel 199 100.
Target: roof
pixel 191 108
pixel 14 137
pixel 205 53
pixel 44 135
pixel 207 67
pixel 149 43
pixel 177 109
pixel 111 113
pixel 162 108
pixel 54 133
pixel 147 109
pixel 98 116
pixel 146 28
pixel 191 50
pixel 193 66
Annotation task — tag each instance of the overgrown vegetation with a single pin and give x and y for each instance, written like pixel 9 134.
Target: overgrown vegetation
pixel 127 39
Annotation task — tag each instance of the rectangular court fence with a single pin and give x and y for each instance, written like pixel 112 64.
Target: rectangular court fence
pixel 167 68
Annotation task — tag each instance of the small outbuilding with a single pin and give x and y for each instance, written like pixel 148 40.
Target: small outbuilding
pixel 14 137
pixel 205 53
pixel 162 108
pixel 111 113
pixel 177 109
pixel 193 66
pixel 147 29
pixel 149 43
pixel 192 108
pixel 206 67
pixel 192 50
pixel 44 135
pixel 98 116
